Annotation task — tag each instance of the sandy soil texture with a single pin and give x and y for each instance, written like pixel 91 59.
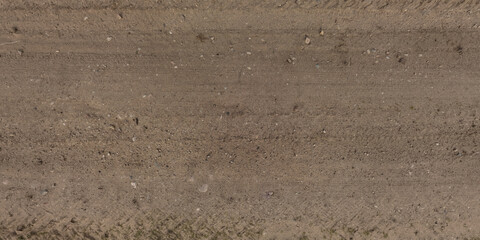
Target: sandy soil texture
pixel 282 119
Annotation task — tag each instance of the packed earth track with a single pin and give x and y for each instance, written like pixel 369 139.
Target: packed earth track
pixel 232 119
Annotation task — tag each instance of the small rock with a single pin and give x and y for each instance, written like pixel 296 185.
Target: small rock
pixel 291 60
pixel 134 185
pixel 203 188
pixel 307 40
pixel 202 37
pixel 44 192
pixel 109 39
pixel 270 193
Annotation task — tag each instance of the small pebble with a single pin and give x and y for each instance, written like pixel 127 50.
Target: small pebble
pixel 291 60
pixel 203 188
pixel 307 40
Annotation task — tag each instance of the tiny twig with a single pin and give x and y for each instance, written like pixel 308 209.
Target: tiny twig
pixel 8 43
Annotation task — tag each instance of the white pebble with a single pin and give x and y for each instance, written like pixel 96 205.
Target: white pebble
pixel 307 40
pixel 203 188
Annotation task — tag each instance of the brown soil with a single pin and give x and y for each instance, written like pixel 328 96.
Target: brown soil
pixel 232 119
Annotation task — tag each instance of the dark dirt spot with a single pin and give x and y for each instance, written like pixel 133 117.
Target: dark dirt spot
pixel 459 49
pixel 136 203
pixel 341 48
pixel 402 60
pixel 295 108
pixel 88 236
pixel 21 228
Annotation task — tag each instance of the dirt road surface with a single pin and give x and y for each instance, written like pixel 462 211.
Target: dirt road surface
pixel 327 119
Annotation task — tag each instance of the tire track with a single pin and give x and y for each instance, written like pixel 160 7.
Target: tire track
pixel 438 5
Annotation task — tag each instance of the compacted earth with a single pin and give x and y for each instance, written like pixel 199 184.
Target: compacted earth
pixel 285 119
